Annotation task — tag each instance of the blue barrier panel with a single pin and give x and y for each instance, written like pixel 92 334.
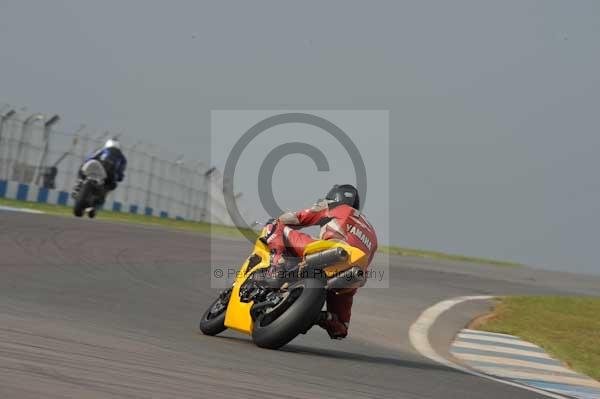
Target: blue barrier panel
pixel 3 185
pixel 42 195
pixel 133 209
pixel 63 198
pixel 148 211
pixel 164 214
pixel 22 191
pixel 117 206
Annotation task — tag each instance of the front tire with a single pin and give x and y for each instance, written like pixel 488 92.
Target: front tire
pixel 213 320
pixel 273 330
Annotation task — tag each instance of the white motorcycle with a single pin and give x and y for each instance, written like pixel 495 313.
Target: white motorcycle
pixel 91 193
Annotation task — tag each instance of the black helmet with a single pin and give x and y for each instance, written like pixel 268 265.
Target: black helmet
pixel 343 194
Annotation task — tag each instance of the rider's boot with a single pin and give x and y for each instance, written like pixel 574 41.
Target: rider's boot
pixel 339 311
pixel 331 323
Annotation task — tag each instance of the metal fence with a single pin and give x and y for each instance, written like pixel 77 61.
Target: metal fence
pixel 32 152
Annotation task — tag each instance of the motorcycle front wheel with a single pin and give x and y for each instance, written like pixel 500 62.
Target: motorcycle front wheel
pixel 213 320
pixel 294 315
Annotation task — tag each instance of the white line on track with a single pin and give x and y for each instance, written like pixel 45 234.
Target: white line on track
pixel 419 338
pixel 491 334
pixel 497 340
pixel 505 361
pixel 487 348
pixel 24 210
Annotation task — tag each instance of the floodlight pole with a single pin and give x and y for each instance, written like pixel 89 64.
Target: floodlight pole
pixel 25 128
pixel 47 129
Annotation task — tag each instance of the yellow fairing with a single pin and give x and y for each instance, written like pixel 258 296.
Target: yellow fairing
pixel 237 316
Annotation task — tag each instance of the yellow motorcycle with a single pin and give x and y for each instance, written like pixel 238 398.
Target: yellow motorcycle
pixel 275 308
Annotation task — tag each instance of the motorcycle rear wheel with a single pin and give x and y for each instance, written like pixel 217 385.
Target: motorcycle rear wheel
pixel 81 200
pixel 295 315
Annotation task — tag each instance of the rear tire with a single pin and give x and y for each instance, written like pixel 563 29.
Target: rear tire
pixel 298 318
pixel 81 200
pixel 213 324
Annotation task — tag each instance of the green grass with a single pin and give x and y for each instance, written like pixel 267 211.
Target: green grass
pixel 232 231
pixel 568 328
pixel 123 217
pixel 421 253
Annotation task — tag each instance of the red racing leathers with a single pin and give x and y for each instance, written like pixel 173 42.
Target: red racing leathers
pixel 341 222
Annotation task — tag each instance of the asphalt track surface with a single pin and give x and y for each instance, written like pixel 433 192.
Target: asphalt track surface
pixel 90 309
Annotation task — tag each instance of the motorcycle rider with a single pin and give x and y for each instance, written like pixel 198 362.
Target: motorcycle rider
pixel 340 219
pixel 114 162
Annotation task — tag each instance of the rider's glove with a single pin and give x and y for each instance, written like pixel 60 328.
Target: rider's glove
pixel 270 228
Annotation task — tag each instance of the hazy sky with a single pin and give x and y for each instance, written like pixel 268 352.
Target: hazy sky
pixel 494 106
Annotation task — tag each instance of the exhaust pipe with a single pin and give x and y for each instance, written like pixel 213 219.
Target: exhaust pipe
pixel 351 278
pixel 326 258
